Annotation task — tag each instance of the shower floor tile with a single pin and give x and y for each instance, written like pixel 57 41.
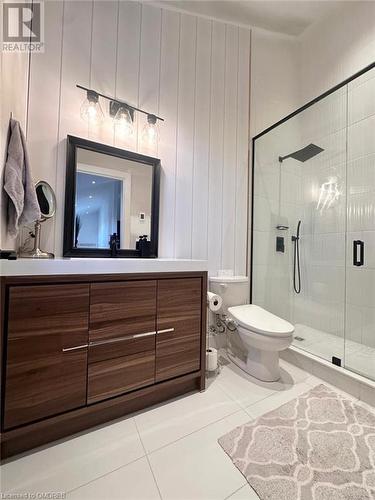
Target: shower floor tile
pixel 355 356
pixel 362 361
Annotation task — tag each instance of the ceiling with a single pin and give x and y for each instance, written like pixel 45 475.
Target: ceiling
pixel 289 17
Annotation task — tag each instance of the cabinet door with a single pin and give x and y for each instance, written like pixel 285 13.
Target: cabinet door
pixel 46 369
pixel 112 377
pixel 178 337
pixel 121 309
pixel 122 338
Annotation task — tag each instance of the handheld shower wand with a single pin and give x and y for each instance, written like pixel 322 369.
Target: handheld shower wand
pixel 296 261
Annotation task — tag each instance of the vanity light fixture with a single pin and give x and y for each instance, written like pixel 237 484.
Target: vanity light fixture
pixel 123 118
pixel 91 110
pixel 122 114
pixel 150 134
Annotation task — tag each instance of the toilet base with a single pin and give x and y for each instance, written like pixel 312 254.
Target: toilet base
pixel 263 365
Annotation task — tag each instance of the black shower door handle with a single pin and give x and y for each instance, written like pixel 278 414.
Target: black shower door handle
pixel 358 253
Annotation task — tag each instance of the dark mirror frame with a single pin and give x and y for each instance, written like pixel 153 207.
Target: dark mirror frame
pixel 70 194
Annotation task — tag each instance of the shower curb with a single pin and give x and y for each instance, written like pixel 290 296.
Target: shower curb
pixel 356 385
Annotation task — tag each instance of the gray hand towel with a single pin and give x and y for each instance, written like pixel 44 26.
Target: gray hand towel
pixel 23 206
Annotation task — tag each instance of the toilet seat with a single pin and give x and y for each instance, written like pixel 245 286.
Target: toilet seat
pixel 256 319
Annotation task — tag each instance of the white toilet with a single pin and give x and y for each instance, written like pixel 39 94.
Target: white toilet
pixel 262 334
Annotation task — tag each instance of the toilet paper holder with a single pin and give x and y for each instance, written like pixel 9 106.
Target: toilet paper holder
pixel 212 361
pixel 214 302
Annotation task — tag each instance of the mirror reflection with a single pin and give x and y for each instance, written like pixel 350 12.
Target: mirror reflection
pixel 113 201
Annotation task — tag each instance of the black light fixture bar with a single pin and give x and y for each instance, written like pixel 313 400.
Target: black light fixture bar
pixel 114 106
pixel 120 103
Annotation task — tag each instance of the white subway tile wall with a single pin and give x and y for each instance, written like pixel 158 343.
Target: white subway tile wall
pixel 361 208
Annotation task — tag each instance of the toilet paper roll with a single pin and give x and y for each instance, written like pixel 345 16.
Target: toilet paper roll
pixel 214 301
pixel 211 359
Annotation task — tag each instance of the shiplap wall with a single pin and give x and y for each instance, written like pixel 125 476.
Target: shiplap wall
pixel 13 85
pixel 193 72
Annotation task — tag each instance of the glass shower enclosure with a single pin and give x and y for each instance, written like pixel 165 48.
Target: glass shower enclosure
pixel 313 223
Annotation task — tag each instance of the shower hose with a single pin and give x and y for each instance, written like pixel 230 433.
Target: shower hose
pixel 296 262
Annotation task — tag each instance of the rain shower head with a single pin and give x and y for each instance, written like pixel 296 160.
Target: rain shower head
pixel 303 154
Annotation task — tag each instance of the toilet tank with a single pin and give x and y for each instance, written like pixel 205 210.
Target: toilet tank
pixel 234 290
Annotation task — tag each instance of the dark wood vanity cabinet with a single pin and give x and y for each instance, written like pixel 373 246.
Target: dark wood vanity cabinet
pixel 46 368
pixel 81 350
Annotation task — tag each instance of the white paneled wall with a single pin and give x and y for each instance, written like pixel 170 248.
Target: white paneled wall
pixel 13 92
pixel 193 72
pixel 336 47
pixel 275 89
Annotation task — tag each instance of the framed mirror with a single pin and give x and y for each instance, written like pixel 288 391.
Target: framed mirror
pixel 111 201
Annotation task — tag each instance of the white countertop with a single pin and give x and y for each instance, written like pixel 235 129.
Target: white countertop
pixel 24 267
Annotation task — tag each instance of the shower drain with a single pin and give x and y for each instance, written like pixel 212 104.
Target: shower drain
pixel 299 338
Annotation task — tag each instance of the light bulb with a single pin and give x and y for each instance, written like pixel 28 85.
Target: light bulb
pixel 91 110
pixel 150 134
pixel 123 122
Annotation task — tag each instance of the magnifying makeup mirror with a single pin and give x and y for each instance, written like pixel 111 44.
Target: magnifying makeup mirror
pixel 46 199
pixel 47 203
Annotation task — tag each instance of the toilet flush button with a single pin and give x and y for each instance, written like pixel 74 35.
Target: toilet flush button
pixel 224 286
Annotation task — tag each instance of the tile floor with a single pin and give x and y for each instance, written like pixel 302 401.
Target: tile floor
pixel 167 452
pixel 356 357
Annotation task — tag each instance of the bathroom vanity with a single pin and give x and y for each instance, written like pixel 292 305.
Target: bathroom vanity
pixel 109 338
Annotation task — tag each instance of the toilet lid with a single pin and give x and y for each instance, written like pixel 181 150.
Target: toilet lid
pixel 259 320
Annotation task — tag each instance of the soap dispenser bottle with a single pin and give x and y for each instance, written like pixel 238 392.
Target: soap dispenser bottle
pixel 144 246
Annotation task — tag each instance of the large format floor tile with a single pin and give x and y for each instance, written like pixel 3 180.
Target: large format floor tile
pixel 184 460
pixel 241 387
pixel 170 421
pixel 247 390
pixel 196 467
pixel 277 399
pixel 134 482
pixel 74 461
pixel 244 493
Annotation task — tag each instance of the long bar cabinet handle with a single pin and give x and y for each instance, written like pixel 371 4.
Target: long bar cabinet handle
pixel 83 346
pixel 147 334
pixel 119 339
pixel 166 330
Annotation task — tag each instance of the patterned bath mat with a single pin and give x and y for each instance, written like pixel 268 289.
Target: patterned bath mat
pixel 320 446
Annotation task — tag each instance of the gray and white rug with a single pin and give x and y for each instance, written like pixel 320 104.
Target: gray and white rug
pixel 319 446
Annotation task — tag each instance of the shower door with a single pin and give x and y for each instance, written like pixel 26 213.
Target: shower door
pixel 360 266
pixel 300 179
pixel 316 170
